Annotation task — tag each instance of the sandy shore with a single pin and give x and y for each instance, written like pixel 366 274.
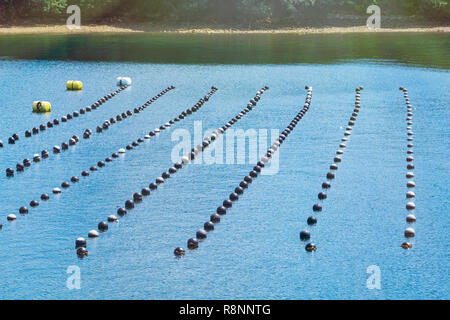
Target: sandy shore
pixel 62 29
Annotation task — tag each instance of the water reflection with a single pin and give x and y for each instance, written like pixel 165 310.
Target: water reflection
pixel 423 49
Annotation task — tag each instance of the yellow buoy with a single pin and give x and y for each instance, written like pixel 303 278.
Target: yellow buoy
pixel 42 106
pixel 74 85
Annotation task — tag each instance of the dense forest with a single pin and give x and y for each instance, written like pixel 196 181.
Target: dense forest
pixel 243 13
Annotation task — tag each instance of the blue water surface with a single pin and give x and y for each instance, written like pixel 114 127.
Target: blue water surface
pixel 255 251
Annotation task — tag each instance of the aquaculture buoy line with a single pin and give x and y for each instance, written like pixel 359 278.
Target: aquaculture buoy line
pixel 80 243
pixel 50 124
pixel 127 113
pixel 185 160
pixel 101 163
pixel 20 166
pixel 81 251
pixel 305 234
pixel 192 243
pixel 410 184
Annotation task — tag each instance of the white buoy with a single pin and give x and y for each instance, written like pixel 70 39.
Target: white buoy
pixel 123 81
pixel 93 234
pixel 121 150
pixel 185 160
pixel 11 217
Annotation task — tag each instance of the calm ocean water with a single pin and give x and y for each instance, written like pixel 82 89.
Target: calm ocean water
pixel 255 252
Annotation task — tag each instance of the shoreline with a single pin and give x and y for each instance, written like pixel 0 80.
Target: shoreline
pixel 96 29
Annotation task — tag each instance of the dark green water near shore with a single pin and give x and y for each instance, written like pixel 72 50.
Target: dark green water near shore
pixel 422 49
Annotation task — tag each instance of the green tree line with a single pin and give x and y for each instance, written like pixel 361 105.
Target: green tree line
pixel 228 12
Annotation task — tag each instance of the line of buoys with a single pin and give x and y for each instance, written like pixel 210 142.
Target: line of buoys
pixel 44 155
pixel 410 195
pixel 72 141
pixel 128 113
pixel 138 196
pixel 39 105
pixel 185 160
pixel 305 234
pixel 74 85
pixel 86 134
pixel 227 204
pixel 214 135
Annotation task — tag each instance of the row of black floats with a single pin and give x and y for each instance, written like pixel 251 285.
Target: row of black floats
pixel 185 160
pixel 208 226
pixel 305 234
pixel 80 243
pixel 73 140
pixel 410 184
pixel 75 114
pixel 128 113
pixel 74 179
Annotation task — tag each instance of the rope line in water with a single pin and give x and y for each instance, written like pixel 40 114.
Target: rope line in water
pixel 185 160
pixel 87 133
pixel 201 234
pixel 410 184
pixel 305 234
pixel 28 133
pixel 101 164
pixel 128 113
